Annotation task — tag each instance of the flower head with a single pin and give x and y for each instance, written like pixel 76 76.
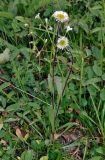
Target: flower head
pixel 40 25
pixel 26 25
pixel 46 20
pixel 45 40
pixel 50 28
pixel 37 16
pixel 62 42
pixel 68 28
pixel 61 16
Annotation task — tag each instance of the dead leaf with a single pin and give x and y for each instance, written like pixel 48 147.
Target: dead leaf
pixel 19 134
pixel 5 56
pixel 3 142
pixel 56 136
pixel 1 123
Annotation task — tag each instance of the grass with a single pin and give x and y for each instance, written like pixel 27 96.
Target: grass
pixel 52 101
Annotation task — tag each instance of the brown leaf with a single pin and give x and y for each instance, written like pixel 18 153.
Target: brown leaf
pixel 3 142
pixel 19 134
pixel 1 123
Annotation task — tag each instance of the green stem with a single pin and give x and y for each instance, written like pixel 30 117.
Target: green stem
pixel 98 118
pixel 81 78
pixel 66 81
pixel 85 151
pixel 81 71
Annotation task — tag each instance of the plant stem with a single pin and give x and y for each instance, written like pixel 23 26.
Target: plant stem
pixel 53 68
pixel 66 81
pixel 81 77
pixel 53 72
pixel 81 72
pixel 53 83
pixel 85 150
pixel 98 118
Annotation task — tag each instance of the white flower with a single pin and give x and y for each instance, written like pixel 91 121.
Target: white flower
pixel 31 42
pixel 37 16
pixel 68 28
pixel 61 16
pixel 50 28
pixel 18 158
pixel 45 40
pixel 30 33
pixel 38 54
pixel 40 26
pixel 62 42
pixel 26 24
pixel 46 20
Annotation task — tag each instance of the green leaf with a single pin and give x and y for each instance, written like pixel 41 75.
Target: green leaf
pixel 88 52
pixel 67 126
pixel 97 69
pixel 86 117
pixel 96 52
pixel 96 158
pixel 103 76
pixel 44 158
pixel 84 102
pixel 98 29
pixel 34 105
pixel 13 107
pixel 59 86
pixel 97 7
pixel 92 90
pixel 91 81
pixel 8 120
pixel 102 94
pixel 100 150
pixel 26 52
pixel 4 85
pixel 51 88
pixel 89 72
pixel 6 15
pixel 20 18
pixel 27 155
pixel 3 101
pixel 84 26
pixel 15 26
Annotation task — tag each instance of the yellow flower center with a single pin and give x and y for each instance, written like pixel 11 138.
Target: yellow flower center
pixel 62 42
pixel 60 16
